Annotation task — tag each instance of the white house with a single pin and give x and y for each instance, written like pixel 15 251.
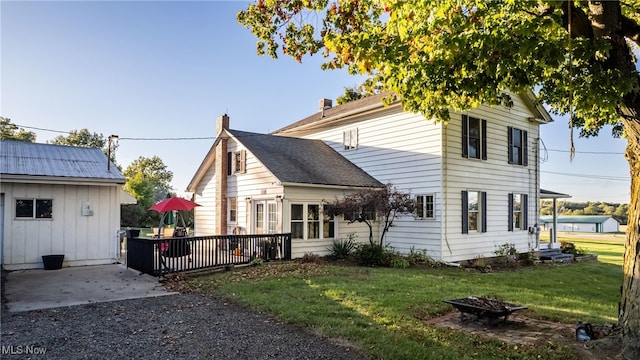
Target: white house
pixel 584 223
pixel 476 178
pixel 57 200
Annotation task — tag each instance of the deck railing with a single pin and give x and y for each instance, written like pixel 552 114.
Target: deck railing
pixel 157 257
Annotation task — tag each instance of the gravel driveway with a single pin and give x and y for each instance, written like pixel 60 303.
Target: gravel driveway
pixel 183 326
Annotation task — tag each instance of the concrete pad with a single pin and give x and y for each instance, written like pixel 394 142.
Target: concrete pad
pixel 42 289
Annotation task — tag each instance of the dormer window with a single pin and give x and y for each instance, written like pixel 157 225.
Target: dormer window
pixel 350 139
pixel 236 162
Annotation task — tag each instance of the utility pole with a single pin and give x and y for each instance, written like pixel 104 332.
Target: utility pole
pixel 112 138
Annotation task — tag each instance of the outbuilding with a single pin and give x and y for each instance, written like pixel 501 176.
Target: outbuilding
pixel 57 200
pixel 583 223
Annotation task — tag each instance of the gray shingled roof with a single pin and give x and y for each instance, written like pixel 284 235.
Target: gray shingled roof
pixel 336 111
pixel 34 159
pixel 345 109
pixel 303 161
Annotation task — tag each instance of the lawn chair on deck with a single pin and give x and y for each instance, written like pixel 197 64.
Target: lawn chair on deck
pixel 175 247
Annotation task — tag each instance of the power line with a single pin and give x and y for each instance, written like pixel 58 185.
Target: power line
pixel 37 128
pixel 588 152
pixel 167 139
pixel 599 177
pixel 126 138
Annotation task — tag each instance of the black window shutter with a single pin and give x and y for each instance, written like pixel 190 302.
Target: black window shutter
pixel 483 204
pixel 229 162
pixel 510 145
pixel 465 212
pixel 525 155
pixel 465 134
pixel 510 217
pixel 525 211
pixel 484 140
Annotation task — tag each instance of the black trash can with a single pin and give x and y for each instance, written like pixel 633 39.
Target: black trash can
pixel 133 233
pixel 52 262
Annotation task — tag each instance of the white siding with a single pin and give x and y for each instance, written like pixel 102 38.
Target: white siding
pixel 318 195
pixel 417 156
pixel 256 183
pixel 495 176
pixel 84 240
pixel 405 150
pixel 610 225
pixel 205 215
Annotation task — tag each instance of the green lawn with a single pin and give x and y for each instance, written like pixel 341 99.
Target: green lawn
pixel 382 311
pixel 609 252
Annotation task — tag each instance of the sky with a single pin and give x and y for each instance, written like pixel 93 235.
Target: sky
pixel 154 71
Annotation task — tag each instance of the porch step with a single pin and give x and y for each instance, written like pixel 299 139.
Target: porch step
pixel 555 255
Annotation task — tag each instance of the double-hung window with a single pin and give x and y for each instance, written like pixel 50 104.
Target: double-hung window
pixel 518 214
pixel 425 206
pixel 34 208
pixel 474 138
pixel 474 211
pixel 517 146
pixel 350 139
pixel 233 209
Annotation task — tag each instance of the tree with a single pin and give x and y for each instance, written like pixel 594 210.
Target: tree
pixel 437 56
pixel 367 204
pixel 81 138
pixel 148 180
pixel 154 171
pixel 355 93
pixel 84 138
pixel 622 214
pixel 141 188
pixel 9 131
pixel 350 94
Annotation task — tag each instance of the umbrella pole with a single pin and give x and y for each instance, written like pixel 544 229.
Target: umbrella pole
pixel 161 227
pixel 179 213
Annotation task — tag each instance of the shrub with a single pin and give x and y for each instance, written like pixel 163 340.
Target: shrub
pixel 418 257
pixel 310 258
pixel 570 248
pixel 370 255
pixel 342 249
pixel 527 258
pixel 399 262
pixel 506 249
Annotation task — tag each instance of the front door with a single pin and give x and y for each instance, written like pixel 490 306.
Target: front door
pixel 266 217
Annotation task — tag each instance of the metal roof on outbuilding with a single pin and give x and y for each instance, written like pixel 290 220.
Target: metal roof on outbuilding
pixel 578 219
pixel 19 158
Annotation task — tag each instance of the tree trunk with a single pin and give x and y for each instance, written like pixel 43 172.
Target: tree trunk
pixel 629 317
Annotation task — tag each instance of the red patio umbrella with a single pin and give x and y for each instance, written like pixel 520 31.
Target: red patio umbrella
pixel 174 203
pixel 171 204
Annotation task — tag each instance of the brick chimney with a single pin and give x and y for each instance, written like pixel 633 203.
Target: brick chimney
pixel 222 122
pixel 220 192
pixel 324 104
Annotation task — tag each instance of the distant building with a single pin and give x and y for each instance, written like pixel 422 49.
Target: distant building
pixel 584 223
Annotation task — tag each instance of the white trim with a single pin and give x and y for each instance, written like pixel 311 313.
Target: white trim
pixel 433 203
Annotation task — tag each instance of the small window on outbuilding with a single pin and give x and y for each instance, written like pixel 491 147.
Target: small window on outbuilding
pixel 34 208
